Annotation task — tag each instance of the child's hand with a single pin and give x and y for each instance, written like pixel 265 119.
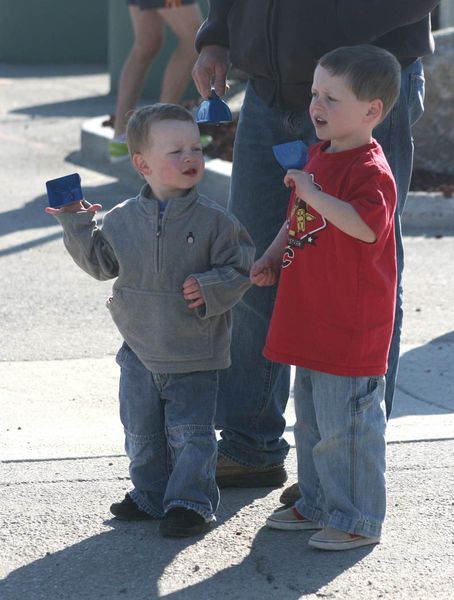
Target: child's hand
pixel 192 293
pixel 264 272
pixel 302 182
pixel 73 207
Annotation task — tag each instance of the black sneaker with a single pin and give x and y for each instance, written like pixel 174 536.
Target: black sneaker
pixel 182 522
pixel 127 510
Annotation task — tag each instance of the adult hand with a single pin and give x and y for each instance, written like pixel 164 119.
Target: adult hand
pixel 73 207
pixel 210 70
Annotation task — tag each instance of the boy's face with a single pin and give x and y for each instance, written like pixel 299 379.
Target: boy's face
pixel 173 162
pixel 338 115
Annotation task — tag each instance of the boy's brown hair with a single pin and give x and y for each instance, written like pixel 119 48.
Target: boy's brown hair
pixel 370 71
pixel 141 120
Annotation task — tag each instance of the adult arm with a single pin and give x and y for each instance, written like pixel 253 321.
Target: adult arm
pixel 212 42
pixel 214 30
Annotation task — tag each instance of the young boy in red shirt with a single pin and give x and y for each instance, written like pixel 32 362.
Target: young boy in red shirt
pixel 333 317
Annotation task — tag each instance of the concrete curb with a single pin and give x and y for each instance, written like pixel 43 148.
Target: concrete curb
pixel 422 210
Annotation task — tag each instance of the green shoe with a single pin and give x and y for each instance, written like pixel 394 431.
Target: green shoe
pixel 118 151
pixel 205 139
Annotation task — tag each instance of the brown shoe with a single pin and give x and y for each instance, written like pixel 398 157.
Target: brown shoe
pixel 232 474
pixel 290 495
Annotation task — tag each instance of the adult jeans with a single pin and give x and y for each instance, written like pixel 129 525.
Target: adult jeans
pixel 341 449
pixel 394 136
pixel 253 393
pixel 168 420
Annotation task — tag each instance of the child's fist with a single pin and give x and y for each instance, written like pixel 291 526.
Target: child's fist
pixel 73 207
pixel 192 293
pixel 263 272
pixel 300 181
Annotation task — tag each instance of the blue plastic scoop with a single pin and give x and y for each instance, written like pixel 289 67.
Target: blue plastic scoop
pixel 64 190
pixel 214 110
pixel 291 155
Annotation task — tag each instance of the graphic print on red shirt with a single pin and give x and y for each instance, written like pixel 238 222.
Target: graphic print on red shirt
pixel 303 223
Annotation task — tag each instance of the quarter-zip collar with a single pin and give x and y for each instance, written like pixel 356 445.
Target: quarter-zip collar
pixel 176 207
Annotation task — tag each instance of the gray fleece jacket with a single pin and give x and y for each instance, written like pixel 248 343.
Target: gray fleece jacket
pixel 151 256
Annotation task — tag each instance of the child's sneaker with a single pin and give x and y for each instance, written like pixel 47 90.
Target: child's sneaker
pixel 289 519
pixel 127 510
pixel 335 539
pixel 182 522
pixel 118 150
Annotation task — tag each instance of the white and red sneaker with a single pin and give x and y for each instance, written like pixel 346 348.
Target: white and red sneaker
pixel 289 519
pixel 335 539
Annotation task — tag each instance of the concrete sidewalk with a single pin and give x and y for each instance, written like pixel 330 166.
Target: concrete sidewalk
pixel 62 461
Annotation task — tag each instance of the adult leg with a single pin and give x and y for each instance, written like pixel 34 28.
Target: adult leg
pixel 148 36
pixel 394 135
pixel 254 391
pixel 142 417
pixel 190 404
pixel 184 21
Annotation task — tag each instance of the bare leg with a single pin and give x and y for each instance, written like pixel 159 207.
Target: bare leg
pixel 148 29
pixel 184 22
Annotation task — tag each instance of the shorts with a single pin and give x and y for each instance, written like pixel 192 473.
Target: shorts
pixel 153 4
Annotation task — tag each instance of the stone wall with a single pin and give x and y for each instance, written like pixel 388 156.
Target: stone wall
pixel 434 133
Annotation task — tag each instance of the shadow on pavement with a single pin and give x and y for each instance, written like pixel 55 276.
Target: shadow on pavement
pixel 32 216
pixel 423 370
pixel 91 106
pixel 16 71
pixel 130 561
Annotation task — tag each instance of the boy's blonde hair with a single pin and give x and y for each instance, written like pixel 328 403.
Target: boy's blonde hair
pixel 370 71
pixel 140 122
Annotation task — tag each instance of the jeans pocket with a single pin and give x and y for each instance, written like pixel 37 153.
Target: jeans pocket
pixel 416 95
pixel 371 394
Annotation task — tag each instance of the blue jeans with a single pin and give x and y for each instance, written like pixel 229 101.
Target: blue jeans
pixel 170 439
pixel 341 449
pixel 253 393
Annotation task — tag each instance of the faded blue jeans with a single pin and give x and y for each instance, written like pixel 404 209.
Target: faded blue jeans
pixel 341 449
pixel 170 440
pixel 253 393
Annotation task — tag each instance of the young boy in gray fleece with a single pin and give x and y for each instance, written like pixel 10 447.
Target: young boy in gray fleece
pixel 181 262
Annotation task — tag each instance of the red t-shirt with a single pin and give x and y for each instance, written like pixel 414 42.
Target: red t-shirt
pixel 334 310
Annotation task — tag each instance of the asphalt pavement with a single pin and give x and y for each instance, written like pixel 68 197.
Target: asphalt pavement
pixel 61 445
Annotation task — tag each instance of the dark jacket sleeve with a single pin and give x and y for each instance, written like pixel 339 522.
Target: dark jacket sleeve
pixel 366 21
pixel 214 30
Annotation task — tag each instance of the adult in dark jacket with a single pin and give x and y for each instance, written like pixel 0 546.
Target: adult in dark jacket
pixel 277 43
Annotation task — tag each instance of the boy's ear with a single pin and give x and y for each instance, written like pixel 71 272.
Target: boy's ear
pixel 375 110
pixel 140 164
